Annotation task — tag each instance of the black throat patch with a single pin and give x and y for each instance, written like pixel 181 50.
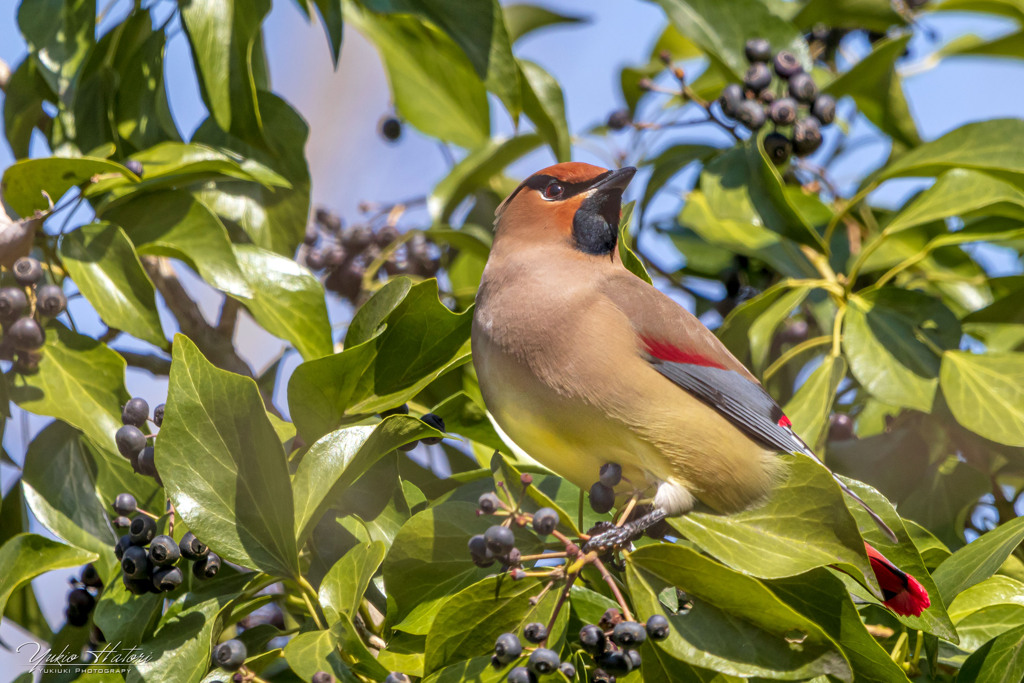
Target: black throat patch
pixel 595 225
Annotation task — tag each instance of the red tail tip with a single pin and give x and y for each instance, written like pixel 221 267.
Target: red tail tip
pixel 904 595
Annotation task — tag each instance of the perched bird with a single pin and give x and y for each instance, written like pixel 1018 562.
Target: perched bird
pixel 581 363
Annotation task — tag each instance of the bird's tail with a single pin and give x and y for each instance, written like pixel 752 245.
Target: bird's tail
pixel 901 592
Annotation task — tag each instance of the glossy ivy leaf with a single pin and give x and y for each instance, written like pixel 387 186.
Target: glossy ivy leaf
pixel 477 669
pixel 971 45
pixel 741 328
pixel 544 103
pixel 811 405
pixel 980 146
pixel 737 625
pixel 144 119
pixel 985 393
pixel 332 21
pixel 25 556
pixel 415 338
pixel 27 183
pixel 125 617
pixel 804 524
pixel 59 39
pixel 1001 660
pixel 23 105
pixel 180 159
pixel 338 459
pixel 762 330
pixel 873 15
pixel 993 591
pixel 523 19
pixel 893 338
pixel 102 261
pixel 173 223
pixel 962 193
pixel 671 161
pixel 80 381
pixel 223 466
pixel 315 651
pixel 342 589
pixel 629 258
pixel 978 560
pixel 287 300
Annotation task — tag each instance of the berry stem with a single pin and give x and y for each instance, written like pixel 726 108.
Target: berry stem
pixel 558 605
pixel 627 510
pixel 309 597
pixel 170 520
pixel 610 580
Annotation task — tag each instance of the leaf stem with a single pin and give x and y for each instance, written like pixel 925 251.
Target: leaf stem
pixel 307 593
pixel 610 580
pixel 793 353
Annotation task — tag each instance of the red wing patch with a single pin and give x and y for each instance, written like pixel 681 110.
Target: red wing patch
pixel 785 422
pixel 903 594
pixel 667 352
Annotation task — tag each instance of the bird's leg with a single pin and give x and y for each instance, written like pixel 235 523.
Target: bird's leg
pixel 622 536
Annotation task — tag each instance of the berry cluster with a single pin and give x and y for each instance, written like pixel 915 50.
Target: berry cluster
pixel 343 253
pixel 82 598
pixel 149 562
pixel 130 439
pixel 431 419
pixel 790 102
pixel 23 310
pixel 539 662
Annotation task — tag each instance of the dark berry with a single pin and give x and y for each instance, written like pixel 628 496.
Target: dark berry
pixel 803 88
pixel 437 423
pixel 166 579
pixel 611 474
pixel 592 639
pixel 806 136
pixel 758 77
pixel 230 654
pixel 335 255
pixel 602 498
pixel 778 148
pixel 130 440
pixel 731 99
pixel 521 674
pixel 500 539
pixel 628 634
pixel 543 661
pixel 81 600
pixel 619 119
pixel 535 632
pixel 135 412
pixel 400 410
pixel 786 64
pixel 122 522
pixel 50 301
pixel 142 530
pixel 26 334
pixel 824 109
pixel 568 670
pixel 601 676
pixel 758 50
pixel 615 661
pixel 138 586
pixel 356 238
pixel 163 551
pixel 75 618
pixel 406 447
pixel 544 521
pixel 12 302
pixel 478 551
pixel 134 166
pixel 158 415
pixel 634 658
pixel 750 114
pixel 123 544
pixel 488 503
pixel 316 259
pixel 658 627
pixel 766 96
pixel 191 547
pixel 840 427
pixel 206 567
pixel 147 465
pixel 507 648
pixel 125 504
pixel 783 111
pixel 393 677
pixel 91 577
pixel 27 271
pixel 390 128
pixel 327 219
pixel 135 563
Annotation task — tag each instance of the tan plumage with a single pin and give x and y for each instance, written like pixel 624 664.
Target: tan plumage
pixel 557 348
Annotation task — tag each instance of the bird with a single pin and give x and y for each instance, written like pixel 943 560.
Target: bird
pixel 581 363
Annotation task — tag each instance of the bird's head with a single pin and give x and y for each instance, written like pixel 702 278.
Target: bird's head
pixel 573 202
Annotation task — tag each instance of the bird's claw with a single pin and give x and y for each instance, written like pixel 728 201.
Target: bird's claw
pixel 613 539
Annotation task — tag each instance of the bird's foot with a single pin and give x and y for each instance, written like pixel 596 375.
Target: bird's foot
pixel 619 537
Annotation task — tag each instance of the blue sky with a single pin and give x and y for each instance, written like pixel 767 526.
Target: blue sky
pixel 350 163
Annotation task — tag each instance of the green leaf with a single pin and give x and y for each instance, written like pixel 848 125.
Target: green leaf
pixel 804 524
pixel 671 161
pixel 544 103
pixel 223 35
pixel 173 223
pixel 288 300
pixel 722 28
pixel 123 616
pixel 26 556
pixel 102 261
pixel 993 591
pixel 811 405
pixel 626 254
pixel 331 18
pixel 1005 8
pixel 971 45
pixel 477 670
pixel 980 146
pixel 961 193
pixel 475 171
pixel 433 82
pixel 524 19
pixel 978 560
pixel 878 91
pixel 60 488
pixel 25 182
pixel 313 651
pixel 762 329
pixel 871 15
pixel 144 119
pixel 59 34
pixel 23 105
pixel 80 381
pixel 893 338
pixel 736 625
pixel 337 460
pixel 342 589
pixel 176 161
pixel 985 393
pixel 223 466
pixel 1001 660
pixel 414 341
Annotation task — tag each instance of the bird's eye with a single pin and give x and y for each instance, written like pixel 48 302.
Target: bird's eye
pixel 553 190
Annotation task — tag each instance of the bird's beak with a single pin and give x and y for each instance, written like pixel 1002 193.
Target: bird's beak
pixel 616 180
